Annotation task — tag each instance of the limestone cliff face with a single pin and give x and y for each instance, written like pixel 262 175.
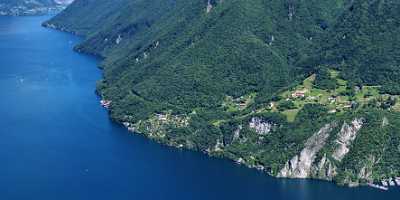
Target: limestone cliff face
pixel 300 165
pixel 211 4
pixel 324 169
pixel 236 134
pixel 261 126
pixel 346 136
pixel 307 165
pixel 365 172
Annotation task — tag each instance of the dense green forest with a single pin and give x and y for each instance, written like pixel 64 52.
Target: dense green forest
pixel 255 81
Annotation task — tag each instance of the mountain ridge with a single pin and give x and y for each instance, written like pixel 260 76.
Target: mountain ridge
pixel 280 85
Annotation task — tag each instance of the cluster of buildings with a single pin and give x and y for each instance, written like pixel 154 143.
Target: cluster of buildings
pixel 299 94
pixel 178 120
pixel 105 103
pixel 332 99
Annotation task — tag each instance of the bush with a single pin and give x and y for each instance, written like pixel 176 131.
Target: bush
pixel 286 105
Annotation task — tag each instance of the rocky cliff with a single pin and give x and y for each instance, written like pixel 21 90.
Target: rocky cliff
pixel 306 164
pixel 300 165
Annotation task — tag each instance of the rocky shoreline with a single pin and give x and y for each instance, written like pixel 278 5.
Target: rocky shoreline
pixel 153 129
pixel 217 152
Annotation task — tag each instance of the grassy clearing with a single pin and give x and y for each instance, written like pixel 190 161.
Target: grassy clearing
pixel 291 114
pixel 341 99
pixel 338 101
pixel 234 105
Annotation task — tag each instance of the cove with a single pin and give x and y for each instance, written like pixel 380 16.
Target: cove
pixel 57 142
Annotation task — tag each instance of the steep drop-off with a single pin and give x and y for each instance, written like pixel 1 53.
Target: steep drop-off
pixel 282 86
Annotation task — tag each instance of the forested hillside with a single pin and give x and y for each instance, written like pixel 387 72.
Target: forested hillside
pixel 302 89
pixel 363 44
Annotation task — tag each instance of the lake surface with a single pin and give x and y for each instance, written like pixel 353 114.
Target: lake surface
pixel 57 142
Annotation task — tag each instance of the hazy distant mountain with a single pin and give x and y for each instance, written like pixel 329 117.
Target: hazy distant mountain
pixel 31 7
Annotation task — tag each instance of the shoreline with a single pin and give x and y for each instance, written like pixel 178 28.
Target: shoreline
pixel 261 168
pixel 108 105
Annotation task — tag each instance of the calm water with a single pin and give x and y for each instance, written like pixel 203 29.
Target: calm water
pixel 56 142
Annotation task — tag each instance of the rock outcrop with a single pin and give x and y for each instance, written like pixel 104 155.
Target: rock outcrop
pixel 307 165
pixel 261 126
pixel 236 133
pixel 209 6
pixel 365 172
pixel 325 169
pixel 346 136
pixel 300 165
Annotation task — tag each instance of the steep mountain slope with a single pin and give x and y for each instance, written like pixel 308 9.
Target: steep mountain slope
pixel 364 44
pixel 31 7
pixel 283 86
pixel 188 37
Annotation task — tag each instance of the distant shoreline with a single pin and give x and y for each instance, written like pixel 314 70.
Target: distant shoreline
pixel 22 11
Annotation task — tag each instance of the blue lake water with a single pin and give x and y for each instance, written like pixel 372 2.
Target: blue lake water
pixel 57 142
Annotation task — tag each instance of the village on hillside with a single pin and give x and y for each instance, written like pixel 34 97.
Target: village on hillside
pixel 339 100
